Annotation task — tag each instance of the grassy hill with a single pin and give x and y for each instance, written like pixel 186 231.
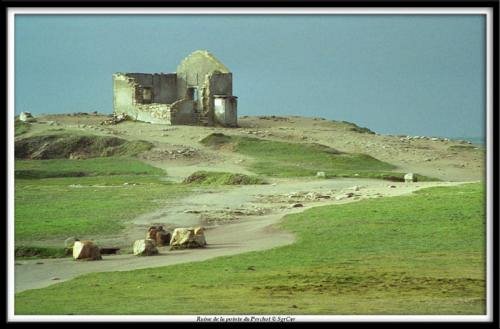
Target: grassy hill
pixel 283 159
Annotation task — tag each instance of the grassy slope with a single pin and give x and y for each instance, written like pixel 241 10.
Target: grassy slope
pixel 282 159
pixel 61 207
pixel 65 145
pixel 418 254
pixel 84 167
pixel 20 127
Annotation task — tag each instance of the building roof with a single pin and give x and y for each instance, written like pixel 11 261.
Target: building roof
pixel 205 54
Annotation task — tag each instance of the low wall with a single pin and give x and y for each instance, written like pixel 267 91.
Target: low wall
pixel 154 113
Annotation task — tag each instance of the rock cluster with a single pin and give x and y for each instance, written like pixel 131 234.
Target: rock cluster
pixel 273 118
pixel 172 154
pixel 181 153
pixel 295 198
pixel 115 119
pixel 159 235
pixel 434 139
pixel 310 196
pixel 260 133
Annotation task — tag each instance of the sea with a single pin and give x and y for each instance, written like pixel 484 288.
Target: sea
pixel 480 141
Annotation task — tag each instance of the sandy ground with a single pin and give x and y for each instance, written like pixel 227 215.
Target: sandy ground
pixel 242 219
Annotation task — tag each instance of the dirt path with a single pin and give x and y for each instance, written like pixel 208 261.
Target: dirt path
pixel 246 218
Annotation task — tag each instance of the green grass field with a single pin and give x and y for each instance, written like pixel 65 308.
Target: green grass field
pixel 417 254
pixel 282 159
pixel 116 190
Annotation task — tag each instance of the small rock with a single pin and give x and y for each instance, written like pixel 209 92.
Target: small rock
pixel 392 186
pixel 55 278
pixel 320 174
pixel 192 211
pixel 39 263
pixel 297 205
pixel 26 117
pixel 349 194
pixel 409 178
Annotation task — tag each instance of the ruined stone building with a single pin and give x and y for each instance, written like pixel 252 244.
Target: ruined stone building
pixel 199 93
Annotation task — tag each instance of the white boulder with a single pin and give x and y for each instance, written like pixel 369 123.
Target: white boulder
pixel 26 117
pixel 86 250
pixel 188 238
pixel 145 247
pixel 409 178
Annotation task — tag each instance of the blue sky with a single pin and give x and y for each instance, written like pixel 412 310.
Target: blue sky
pixel 396 74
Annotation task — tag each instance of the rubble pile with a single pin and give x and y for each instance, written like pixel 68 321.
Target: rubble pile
pixel 115 119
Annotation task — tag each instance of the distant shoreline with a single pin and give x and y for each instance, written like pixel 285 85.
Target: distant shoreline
pixel 474 140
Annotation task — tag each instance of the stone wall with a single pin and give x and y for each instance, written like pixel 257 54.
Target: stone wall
pixel 128 93
pixel 183 112
pixel 215 84
pixel 225 111
pixel 161 98
pixel 163 86
pixel 154 113
pixel 193 69
pixel 124 96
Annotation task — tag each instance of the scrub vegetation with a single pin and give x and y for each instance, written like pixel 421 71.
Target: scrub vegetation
pixel 28 252
pixel 65 145
pixel 20 127
pixel 222 178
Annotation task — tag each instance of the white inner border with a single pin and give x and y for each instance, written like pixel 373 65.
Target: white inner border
pixel 488 12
